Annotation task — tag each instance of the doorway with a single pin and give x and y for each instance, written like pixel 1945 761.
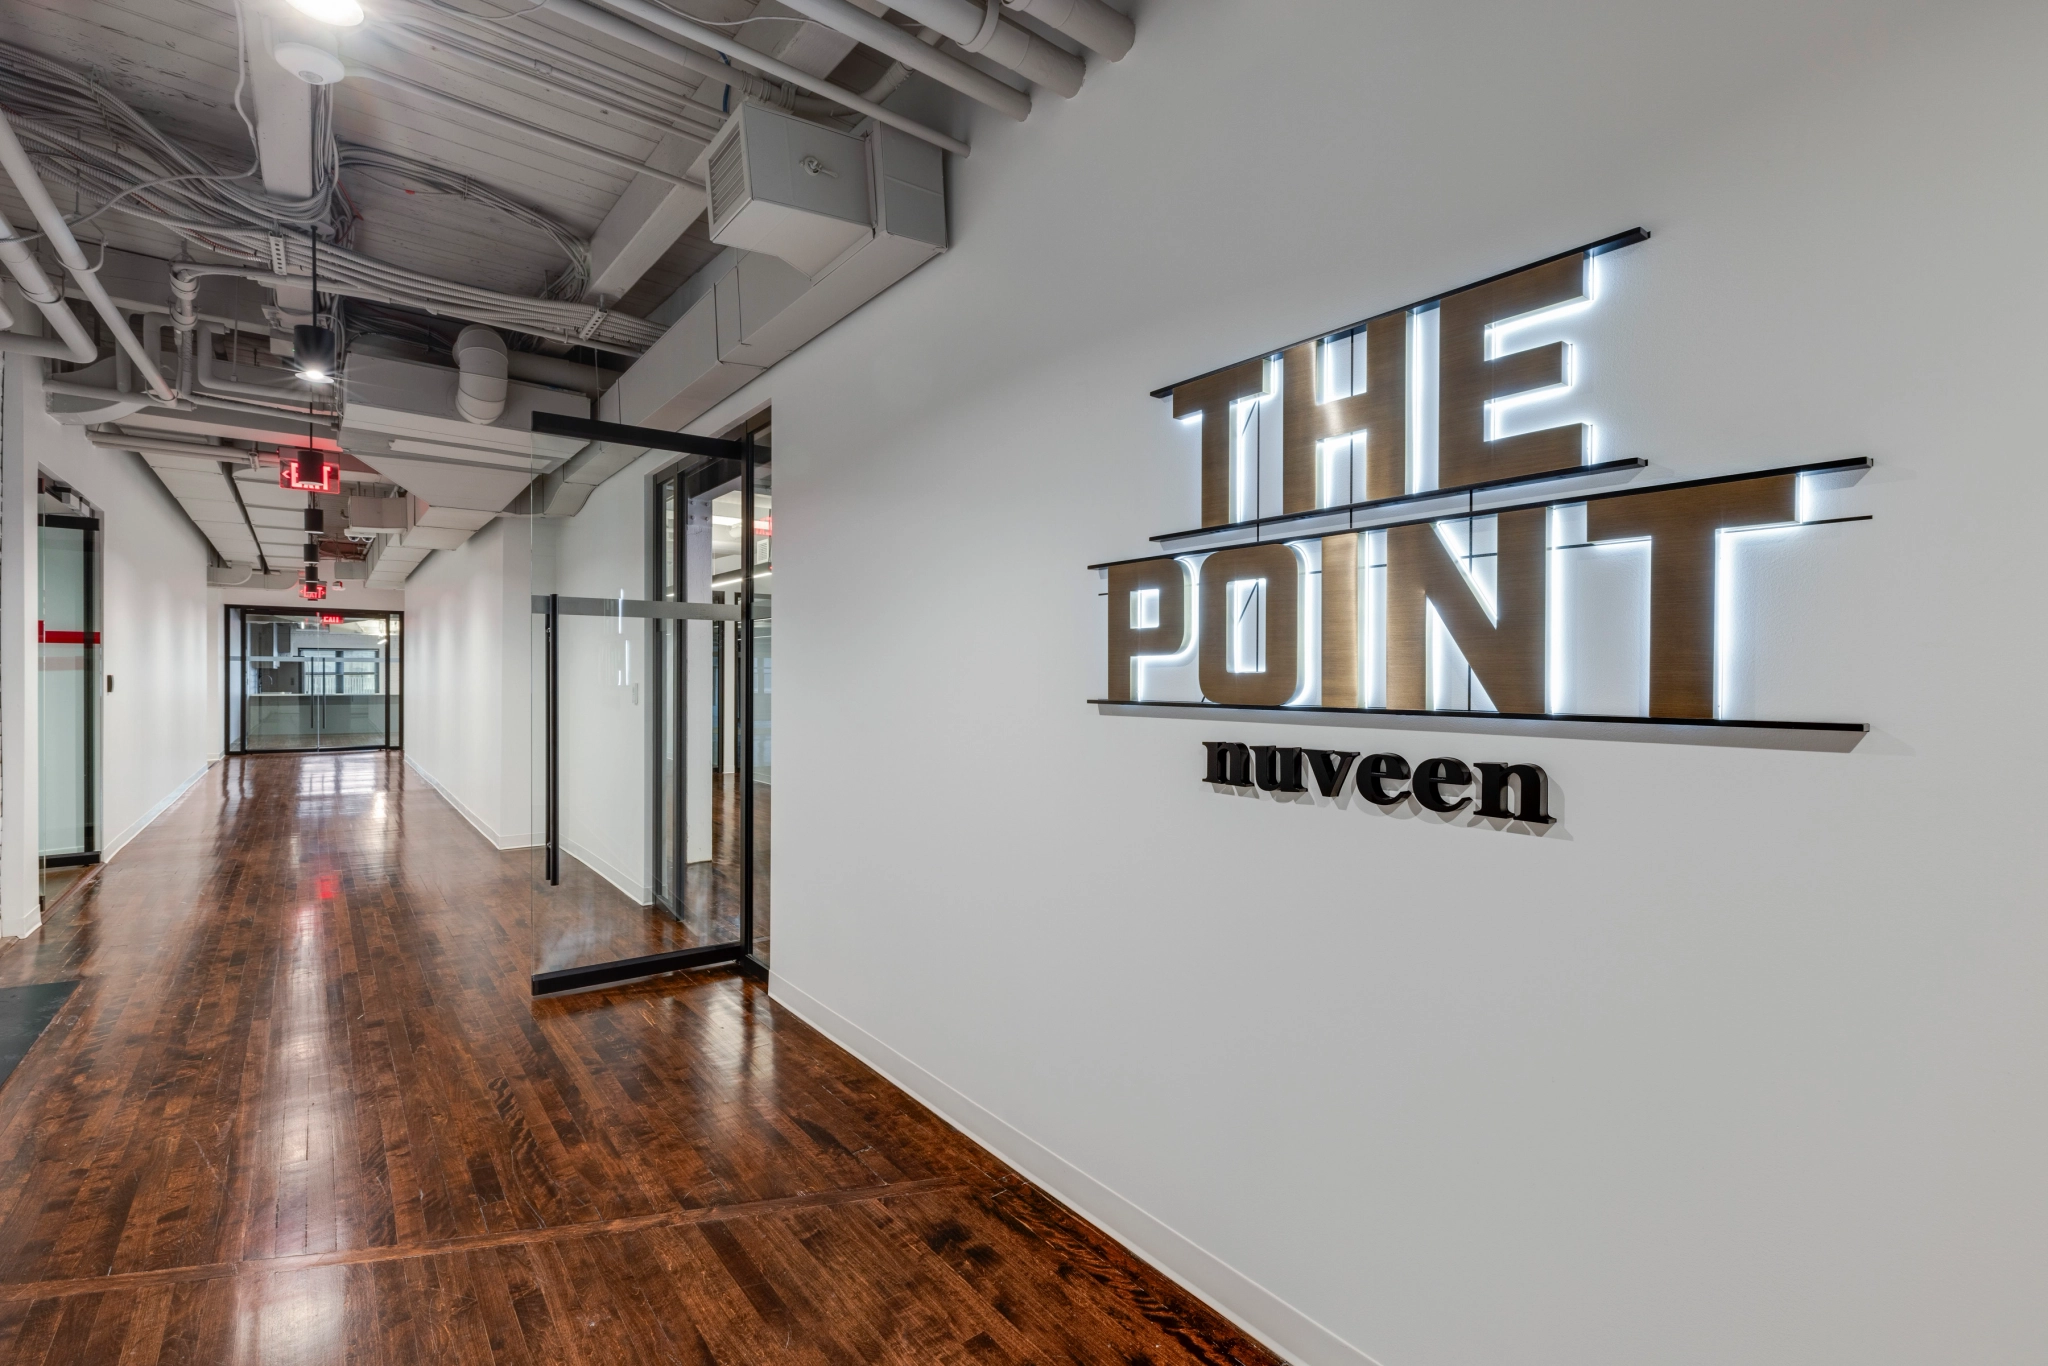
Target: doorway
pixel 68 678
pixel 690 886
pixel 313 679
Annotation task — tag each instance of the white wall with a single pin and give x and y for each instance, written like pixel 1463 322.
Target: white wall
pixel 1743 1062
pixel 469 711
pixel 156 729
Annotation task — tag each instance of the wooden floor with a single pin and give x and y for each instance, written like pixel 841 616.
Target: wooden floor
pixel 301 1109
pixel 586 920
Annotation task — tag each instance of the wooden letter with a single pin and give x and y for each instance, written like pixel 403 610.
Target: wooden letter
pixel 1340 621
pixel 1467 379
pixel 1211 396
pixel 1280 567
pixel 1169 579
pixel 1507 654
pixel 1681 525
pixel 1380 413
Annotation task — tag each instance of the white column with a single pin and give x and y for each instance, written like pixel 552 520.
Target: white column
pixel 20 826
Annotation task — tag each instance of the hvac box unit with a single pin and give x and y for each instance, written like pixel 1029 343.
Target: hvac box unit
pixel 787 187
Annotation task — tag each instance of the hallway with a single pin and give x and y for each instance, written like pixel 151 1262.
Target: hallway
pixel 301 1108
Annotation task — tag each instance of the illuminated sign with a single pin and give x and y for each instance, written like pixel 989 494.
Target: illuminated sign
pixel 308 473
pixel 1388 526
pixel 332 618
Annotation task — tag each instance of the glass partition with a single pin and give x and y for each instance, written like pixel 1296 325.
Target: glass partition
pixel 68 689
pixel 312 679
pixel 649 686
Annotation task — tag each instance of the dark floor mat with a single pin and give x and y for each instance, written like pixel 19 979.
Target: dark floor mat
pixel 25 1012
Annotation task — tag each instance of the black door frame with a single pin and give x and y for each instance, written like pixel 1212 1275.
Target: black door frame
pixel 92 643
pixel 233 688
pixel 551 607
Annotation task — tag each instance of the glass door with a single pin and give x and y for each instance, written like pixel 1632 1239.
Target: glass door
pixel 311 680
pixel 68 689
pixel 654 855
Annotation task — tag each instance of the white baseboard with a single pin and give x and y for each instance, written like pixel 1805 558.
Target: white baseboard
pixel 1252 1307
pixel 636 888
pixel 483 827
pixel 116 844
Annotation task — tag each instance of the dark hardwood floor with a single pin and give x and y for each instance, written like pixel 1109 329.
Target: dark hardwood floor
pixel 302 1109
pixel 587 920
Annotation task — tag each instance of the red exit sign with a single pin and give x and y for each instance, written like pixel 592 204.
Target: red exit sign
pixel 309 474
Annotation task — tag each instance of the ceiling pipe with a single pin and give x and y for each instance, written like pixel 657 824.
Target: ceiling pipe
pixel 190 271
pixel 179 405
pixel 71 342
pixel 980 28
pixel 559 372
pixel 14 157
pixel 519 127
pixel 1090 23
pixel 146 445
pixel 649 21
pixel 886 38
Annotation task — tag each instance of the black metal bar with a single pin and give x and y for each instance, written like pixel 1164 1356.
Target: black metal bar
pixel 1599 248
pixel 657 685
pixel 626 969
pixel 1837 726
pixel 227 681
pixel 1822 467
pixel 743 680
pixel 1373 504
pixel 619 433
pixel 553 859
pixel 84 860
pixel 659 610
pixel 93 690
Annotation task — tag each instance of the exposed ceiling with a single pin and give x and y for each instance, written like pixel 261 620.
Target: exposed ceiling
pixel 517 149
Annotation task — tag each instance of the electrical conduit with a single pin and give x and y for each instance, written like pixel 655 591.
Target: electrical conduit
pixel 14 157
pixel 648 21
pixel 980 28
pixel 1090 23
pixel 886 38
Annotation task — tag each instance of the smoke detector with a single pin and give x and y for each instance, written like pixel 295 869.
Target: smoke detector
pixel 313 65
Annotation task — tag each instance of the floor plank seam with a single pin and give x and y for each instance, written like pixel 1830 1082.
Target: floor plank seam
pixel 16 1292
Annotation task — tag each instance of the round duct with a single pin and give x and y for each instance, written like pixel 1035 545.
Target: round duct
pixel 480 389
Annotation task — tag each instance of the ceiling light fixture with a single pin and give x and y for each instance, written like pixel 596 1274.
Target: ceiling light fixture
pixel 340 13
pixel 317 349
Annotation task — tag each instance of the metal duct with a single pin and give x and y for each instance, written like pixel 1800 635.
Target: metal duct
pixel 886 38
pixel 980 28
pixel 480 356
pixel 1090 23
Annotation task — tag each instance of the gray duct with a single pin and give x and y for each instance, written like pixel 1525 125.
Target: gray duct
pixel 480 356
pixel 886 38
pixel 1090 23
pixel 980 28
